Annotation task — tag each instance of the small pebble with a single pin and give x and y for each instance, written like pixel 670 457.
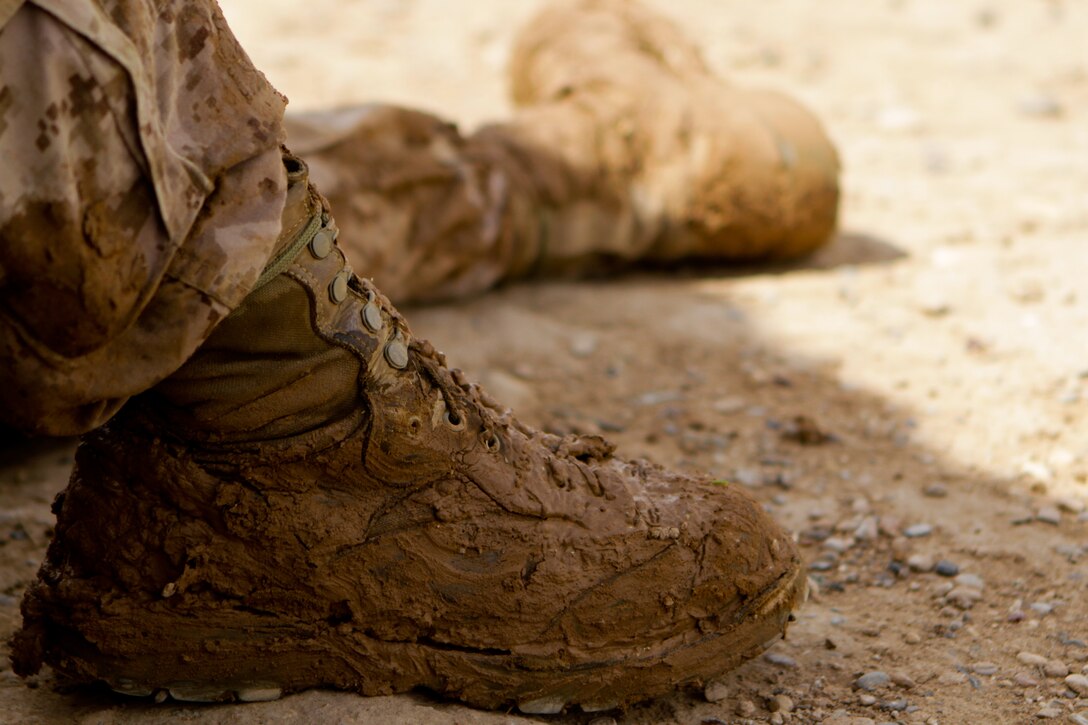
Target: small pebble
pixel 973 581
pixel 920 563
pixel 903 680
pixel 1078 684
pixel 1049 515
pixel 1071 505
pixel 782 660
pixel 947 568
pixel 872 680
pixel 1055 668
pixel 583 345
pixel 952 678
pixel 964 597
pixel 984 668
pixel 1024 516
pixel 890 526
pixel 746 708
pixel 749 477
pixel 1079 718
pixel 838 544
pixel 867 530
pixel 912 638
pixel 1048 713
pixel 716 692
pixel 1031 659
pixel 1025 680
pixel 866 700
pixel 780 703
pixel 916 531
pixel 603 721
pixel 936 490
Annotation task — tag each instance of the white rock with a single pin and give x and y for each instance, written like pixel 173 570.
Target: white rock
pixel 971 580
pixel 543 706
pixel 1031 659
pixel 716 691
pixel 1055 668
pixel 583 344
pixel 920 562
pixel 1070 504
pixel 1078 684
pixel 916 531
pixel 1049 515
pixel 867 530
pixel 964 597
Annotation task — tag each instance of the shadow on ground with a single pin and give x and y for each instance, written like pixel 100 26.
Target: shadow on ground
pixel 679 373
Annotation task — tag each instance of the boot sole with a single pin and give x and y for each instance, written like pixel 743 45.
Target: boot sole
pixel 255 660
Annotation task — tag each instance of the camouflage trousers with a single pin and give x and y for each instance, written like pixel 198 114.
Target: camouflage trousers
pixel 144 184
pixel 140 200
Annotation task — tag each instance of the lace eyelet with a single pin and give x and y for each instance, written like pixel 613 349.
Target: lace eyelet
pixel 454 420
pixel 493 443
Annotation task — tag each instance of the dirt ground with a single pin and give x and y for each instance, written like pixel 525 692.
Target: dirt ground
pixel 939 344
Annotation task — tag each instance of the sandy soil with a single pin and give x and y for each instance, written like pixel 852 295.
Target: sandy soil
pixel 939 343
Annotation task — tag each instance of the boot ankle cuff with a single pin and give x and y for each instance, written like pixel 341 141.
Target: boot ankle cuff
pixel 287 249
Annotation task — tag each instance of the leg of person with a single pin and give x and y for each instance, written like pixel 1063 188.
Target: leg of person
pixel 313 498
pixel 140 199
pixel 625 148
pixel 332 506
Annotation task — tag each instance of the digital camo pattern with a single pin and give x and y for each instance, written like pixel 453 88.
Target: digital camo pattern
pixel 140 199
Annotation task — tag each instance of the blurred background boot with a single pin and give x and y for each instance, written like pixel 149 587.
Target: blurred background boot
pixel 625 148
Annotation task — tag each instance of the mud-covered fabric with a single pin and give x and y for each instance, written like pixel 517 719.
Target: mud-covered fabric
pixel 140 198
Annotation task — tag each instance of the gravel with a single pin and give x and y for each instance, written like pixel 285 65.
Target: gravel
pixel 1078 684
pixel 716 692
pixel 964 597
pixel 920 563
pixel 1031 659
pixel 1049 515
pixel 947 568
pixel 917 531
pixel 903 680
pixel 1055 668
pixel 782 660
pixel 1025 680
pixel 1070 504
pixel 872 680
pixel 974 581
pixel 780 703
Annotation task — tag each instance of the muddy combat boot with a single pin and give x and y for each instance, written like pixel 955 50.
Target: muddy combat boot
pixel 315 499
pixel 626 148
